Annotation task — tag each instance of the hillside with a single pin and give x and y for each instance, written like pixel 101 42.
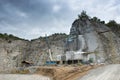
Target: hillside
pixel 14 50
pixel 87 34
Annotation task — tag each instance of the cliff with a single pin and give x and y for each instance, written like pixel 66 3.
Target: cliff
pixel 14 50
pixel 86 35
pixel 94 37
pixel 11 53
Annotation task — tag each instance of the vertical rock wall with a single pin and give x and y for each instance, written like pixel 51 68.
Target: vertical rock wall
pixel 11 53
pixel 98 39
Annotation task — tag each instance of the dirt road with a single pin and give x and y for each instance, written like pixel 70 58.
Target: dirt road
pixel 109 72
pixel 22 77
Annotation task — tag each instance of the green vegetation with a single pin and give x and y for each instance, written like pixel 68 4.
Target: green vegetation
pixel 84 16
pixel 95 19
pixel 58 36
pixel 53 37
pixel 114 26
pixel 9 36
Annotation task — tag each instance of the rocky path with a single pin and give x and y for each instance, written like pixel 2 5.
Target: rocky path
pixel 109 72
pixel 22 77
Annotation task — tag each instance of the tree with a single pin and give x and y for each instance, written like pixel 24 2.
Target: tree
pixel 103 22
pixel 83 15
pixel 115 27
pixel 112 23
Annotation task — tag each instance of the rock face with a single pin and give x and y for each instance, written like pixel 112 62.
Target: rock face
pixel 86 35
pixel 11 53
pixel 38 49
pixel 96 38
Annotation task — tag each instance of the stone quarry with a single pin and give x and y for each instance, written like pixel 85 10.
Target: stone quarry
pixel 88 39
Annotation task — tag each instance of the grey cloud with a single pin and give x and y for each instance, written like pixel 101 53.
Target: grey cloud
pixel 33 18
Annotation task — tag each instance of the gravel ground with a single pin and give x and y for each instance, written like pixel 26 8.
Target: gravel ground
pixel 22 77
pixel 109 72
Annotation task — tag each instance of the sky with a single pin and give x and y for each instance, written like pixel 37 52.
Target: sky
pixel 31 19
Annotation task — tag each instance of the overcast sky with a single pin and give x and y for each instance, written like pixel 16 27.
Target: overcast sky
pixel 34 18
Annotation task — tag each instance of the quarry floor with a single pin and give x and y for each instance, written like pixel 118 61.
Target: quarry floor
pixel 109 72
pixel 64 72
pixel 84 72
pixel 22 77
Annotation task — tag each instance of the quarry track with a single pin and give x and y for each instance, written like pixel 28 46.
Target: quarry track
pixel 22 77
pixel 70 72
pixel 109 72
pixel 105 72
pixel 65 72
